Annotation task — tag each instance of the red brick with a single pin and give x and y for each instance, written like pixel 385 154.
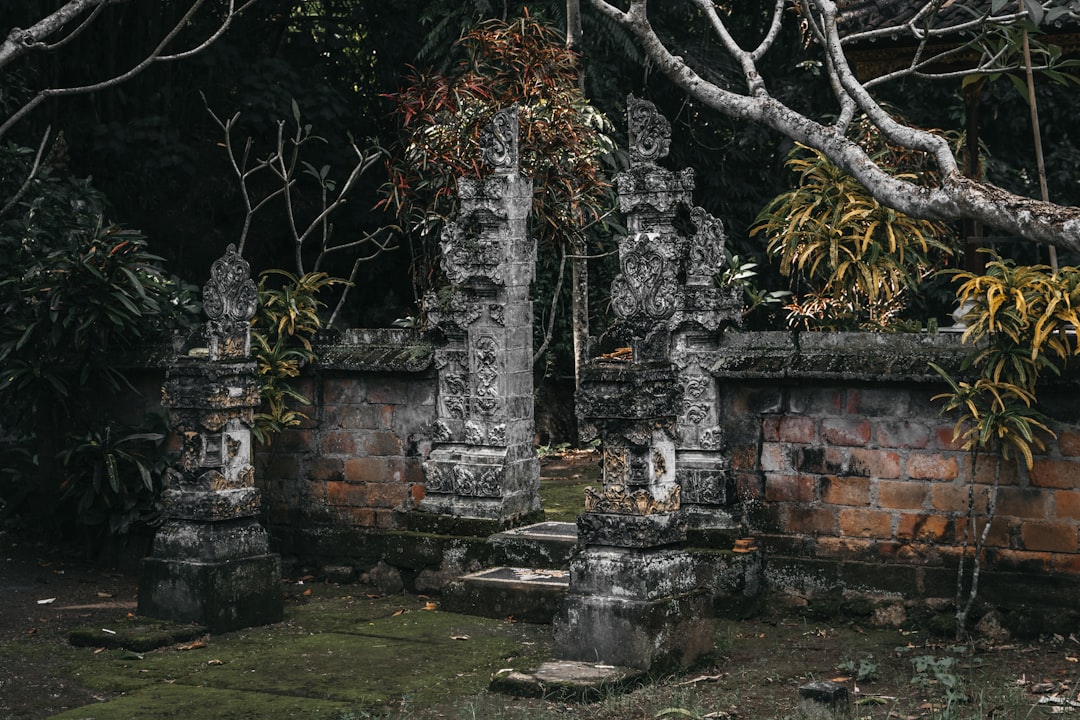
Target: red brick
pixel 874 463
pixel 924 527
pixel 988 466
pixel 901 495
pixel 1055 474
pixel 774 458
pixel 845 490
pixel 842 547
pixel 770 428
pixel 1000 535
pixel 292 440
pixel 344 390
pixel 954 497
pixel 387 494
pixel 1051 536
pixel 326 469
pixel 381 443
pixel 1066 563
pixel 366 469
pixel 814 401
pixel 347 494
pixel 845 432
pixel 359 516
pixel 931 467
pixel 338 442
pixel 865 523
pixel 1069 443
pixel 810 520
pixel 1023 502
pixel 417 492
pixel 282 467
pixel 945 440
pixel 748 486
pixel 1019 560
pixel 1067 505
pixel 796 429
pixel 388 390
pixel 387 520
pixel 877 402
pixel 789 488
pixel 818 460
pixel 386 416
pixel 744 457
pixel 903 434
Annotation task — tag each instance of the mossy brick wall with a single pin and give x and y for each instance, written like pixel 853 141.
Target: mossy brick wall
pixel 842 455
pixel 356 462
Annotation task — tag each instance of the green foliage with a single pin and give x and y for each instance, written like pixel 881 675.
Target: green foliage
pixel 856 260
pixel 114 476
pixel 1018 322
pixel 865 670
pixel 563 140
pixel 75 292
pixel 940 673
pixel 282 333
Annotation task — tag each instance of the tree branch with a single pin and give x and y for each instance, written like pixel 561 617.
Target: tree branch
pixel 956 198
pixel 19 42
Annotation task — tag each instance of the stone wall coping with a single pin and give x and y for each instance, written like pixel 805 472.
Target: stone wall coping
pixel 843 356
pixel 377 350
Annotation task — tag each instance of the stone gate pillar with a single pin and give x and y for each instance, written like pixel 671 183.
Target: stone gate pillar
pixel 634 599
pixel 210 563
pixel 483 463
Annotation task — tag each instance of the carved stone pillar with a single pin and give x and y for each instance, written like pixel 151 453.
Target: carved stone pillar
pixel 210 561
pixel 483 464
pixel 634 599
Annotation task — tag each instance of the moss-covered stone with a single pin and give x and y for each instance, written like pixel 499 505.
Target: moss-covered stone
pixel 136 634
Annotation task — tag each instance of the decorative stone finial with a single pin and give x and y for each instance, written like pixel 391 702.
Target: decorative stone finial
pixel 499 140
pixel 230 294
pixel 650 132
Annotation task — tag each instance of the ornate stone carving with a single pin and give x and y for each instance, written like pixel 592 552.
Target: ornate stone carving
pixel 466 255
pixel 474 434
pixel 706 252
pixel 618 500
pixel 230 295
pixel 712 439
pixel 499 140
pixel 647 288
pixel 650 132
pixel 485 354
pixel 703 488
pixel 471 482
pixel 440 479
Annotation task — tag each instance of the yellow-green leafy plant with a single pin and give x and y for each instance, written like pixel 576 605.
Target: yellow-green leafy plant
pixel 282 333
pixel 853 262
pixel 1021 321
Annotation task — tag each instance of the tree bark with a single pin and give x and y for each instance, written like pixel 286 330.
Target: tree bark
pixel 579 266
pixel 19 41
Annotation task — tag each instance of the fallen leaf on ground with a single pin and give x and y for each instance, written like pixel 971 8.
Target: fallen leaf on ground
pixel 105 595
pixel 307 592
pixel 402 611
pixel 193 645
pixel 430 606
pixel 459 637
pixel 46 601
pixel 215 661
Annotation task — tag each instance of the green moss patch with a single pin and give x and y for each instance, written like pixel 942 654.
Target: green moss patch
pixel 135 634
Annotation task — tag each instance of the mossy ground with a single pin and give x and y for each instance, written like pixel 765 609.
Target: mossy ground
pixel 334 654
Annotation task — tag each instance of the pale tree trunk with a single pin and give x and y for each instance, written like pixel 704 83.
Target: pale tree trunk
pixel 579 266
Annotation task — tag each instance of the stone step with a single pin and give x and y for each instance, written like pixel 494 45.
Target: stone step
pixel 530 595
pixel 542 545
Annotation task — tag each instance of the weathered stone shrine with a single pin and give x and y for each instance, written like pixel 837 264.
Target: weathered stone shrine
pixel 210 562
pixel 482 462
pixel 634 596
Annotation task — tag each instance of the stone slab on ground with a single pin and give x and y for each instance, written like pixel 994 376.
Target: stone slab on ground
pixel 531 595
pixel 544 545
pixel 567 679
pixel 137 634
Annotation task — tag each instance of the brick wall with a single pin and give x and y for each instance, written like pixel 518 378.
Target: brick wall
pixel 356 463
pixel 837 444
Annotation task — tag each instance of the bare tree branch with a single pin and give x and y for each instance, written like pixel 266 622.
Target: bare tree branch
pixel 957 197
pixel 19 42
pixel 34 167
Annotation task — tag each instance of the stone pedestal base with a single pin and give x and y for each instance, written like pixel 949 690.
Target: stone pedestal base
pixel 634 607
pixel 223 596
pixel 663 634
pixel 488 483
